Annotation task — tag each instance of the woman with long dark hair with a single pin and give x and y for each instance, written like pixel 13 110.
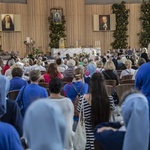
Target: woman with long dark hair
pixel 100 108
pixel 96 107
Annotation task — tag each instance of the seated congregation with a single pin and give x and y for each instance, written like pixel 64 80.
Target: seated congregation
pixel 74 103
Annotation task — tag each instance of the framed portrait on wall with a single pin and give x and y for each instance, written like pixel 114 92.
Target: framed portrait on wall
pixel 7 22
pixel 104 22
pixel 56 14
pixel 10 22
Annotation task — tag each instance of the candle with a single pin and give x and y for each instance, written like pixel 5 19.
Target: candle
pixel 99 43
pixel 76 43
pixel 28 39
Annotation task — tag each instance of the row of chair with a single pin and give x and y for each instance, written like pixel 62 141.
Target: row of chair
pixel 13 94
pixel 110 84
pixel 113 82
pixel 42 72
pixel 120 89
pixel 129 76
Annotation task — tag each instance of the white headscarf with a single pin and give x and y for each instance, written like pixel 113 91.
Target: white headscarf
pixel 4 88
pixel 44 126
pixel 135 113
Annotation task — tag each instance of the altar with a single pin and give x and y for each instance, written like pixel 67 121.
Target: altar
pixel 71 51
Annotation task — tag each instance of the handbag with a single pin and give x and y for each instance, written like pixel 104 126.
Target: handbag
pixel 80 134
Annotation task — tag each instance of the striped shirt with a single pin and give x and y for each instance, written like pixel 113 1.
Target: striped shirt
pixel 87 117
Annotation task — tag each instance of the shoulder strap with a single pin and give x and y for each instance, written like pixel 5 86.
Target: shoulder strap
pixel 76 100
pixel 106 74
pixel 128 71
pixel 76 89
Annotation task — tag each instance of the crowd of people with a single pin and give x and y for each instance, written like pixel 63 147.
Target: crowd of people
pixel 41 118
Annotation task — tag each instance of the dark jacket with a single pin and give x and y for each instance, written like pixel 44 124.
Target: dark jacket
pixel 110 75
pixel 145 56
pixel 109 139
pixel 13 116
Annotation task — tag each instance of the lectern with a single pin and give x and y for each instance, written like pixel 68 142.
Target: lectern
pixel 29 45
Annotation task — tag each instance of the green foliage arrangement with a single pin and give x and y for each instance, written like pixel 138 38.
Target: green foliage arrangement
pixel 57 31
pixel 85 55
pixel 34 54
pixel 120 34
pixel 145 19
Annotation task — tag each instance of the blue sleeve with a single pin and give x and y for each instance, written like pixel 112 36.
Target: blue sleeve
pixel 138 81
pixel 26 83
pixel 18 99
pixel 65 90
pixel 115 125
pixel 15 141
pixel 9 138
pixel 110 139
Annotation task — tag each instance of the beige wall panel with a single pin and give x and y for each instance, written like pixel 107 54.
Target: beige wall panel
pixel 106 38
pixel 38 25
pixel 79 23
pixel 134 26
pixel 75 16
pixel 95 22
pixel 13 41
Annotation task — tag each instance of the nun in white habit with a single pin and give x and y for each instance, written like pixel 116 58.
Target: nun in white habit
pixel 44 126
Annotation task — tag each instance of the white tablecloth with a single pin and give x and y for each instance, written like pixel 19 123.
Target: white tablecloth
pixel 71 51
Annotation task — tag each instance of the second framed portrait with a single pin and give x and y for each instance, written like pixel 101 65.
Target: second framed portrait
pixel 56 14
pixel 104 22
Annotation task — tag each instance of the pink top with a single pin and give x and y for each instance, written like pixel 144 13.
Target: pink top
pixel 47 77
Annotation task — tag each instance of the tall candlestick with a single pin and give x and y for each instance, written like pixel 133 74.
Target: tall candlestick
pixel 76 43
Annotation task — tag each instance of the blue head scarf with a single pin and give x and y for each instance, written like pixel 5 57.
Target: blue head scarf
pixel 44 126
pixel 135 113
pixel 91 69
pixel 10 139
pixel 4 88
